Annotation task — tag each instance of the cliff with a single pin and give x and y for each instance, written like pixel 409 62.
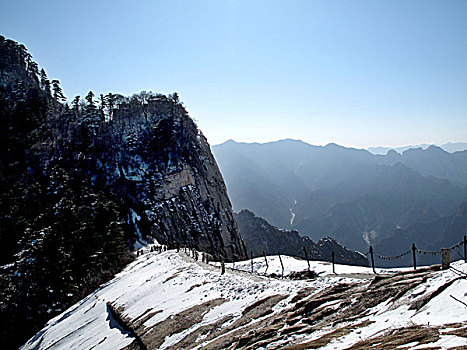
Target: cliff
pixel 83 185
pixel 161 165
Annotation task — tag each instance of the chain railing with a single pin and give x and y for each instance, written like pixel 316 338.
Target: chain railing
pixel 426 252
pixel 383 257
pixel 207 258
pixel 415 250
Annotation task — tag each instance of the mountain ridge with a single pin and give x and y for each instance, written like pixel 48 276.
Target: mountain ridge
pixel 351 195
pixel 262 238
pixel 450 147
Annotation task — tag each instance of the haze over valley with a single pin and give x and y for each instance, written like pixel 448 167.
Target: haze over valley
pixel 359 198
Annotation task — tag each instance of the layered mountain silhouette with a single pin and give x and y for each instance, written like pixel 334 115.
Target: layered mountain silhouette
pixel 263 238
pixel 350 194
pixel 449 147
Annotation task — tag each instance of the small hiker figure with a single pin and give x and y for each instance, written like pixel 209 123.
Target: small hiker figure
pixel 223 267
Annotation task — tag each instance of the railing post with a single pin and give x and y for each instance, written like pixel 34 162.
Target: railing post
pixel 332 259
pixel 372 260
pixel 414 256
pixel 306 256
pixel 251 257
pixel 280 259
pixel 465 248
pixel 233 260
pixel 445 258
pixel 265 260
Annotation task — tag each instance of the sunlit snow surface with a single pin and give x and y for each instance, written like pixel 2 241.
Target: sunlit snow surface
pixel 171 282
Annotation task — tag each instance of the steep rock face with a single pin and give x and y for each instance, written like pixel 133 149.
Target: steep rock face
pixel 82 185
pixel 260 236
pixel 173 189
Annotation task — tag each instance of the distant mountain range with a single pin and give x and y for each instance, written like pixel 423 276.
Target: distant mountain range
pixel 352 195
pixel 448 147
pixel 261 237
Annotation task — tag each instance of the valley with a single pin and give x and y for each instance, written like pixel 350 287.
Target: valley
pixel 352 195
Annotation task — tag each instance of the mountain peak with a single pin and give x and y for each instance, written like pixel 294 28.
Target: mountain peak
pixel 334 145
pixel 434 148
pixel 229 142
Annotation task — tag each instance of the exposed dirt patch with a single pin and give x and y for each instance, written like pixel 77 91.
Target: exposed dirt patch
pixel 200 334
pixel 180 269
pixel 303 275
pixel 400 337
pixel 223 337
pixel 193 287
pixel 461 332
pixel 316 311
pixel 327 338
pixel 308 312
pixel 140 320
pixel 155 336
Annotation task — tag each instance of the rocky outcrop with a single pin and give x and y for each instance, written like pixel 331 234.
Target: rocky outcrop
pixel 172 185
pixel 84 184
pixel 259 236
pixel 169 178
pixel 145 150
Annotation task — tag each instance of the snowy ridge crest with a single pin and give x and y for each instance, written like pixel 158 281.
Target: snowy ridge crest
pixel 170 301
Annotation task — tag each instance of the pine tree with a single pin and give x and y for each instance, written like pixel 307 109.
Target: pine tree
pixel 33 70
pixel 75 104
pixel 175 98
pixel 102 106
pixel 111 104
pixel 44 82
pixel 58 93
pixel 90 99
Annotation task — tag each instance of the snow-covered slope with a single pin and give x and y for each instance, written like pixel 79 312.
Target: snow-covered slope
pixel 168 300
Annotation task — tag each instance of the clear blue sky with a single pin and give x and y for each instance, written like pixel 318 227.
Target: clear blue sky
pixel 358 73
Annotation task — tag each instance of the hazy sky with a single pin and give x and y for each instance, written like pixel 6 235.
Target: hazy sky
pixel 358 73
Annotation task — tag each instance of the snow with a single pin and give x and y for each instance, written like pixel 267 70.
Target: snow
pixel 170 282
pixel 292 264
pixel 440 310
pixel 444 309
pixel 158 282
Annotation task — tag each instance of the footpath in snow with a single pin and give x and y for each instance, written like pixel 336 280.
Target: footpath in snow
pixel 169 301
